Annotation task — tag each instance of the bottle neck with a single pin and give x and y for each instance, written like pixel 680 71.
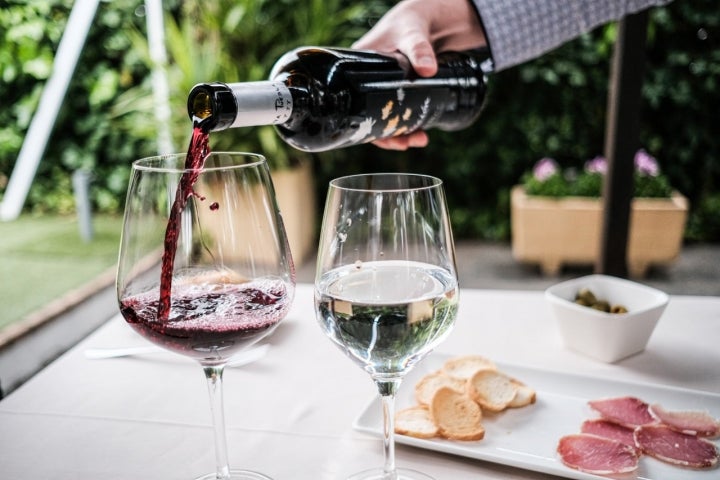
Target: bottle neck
pixel 261 103
pixel 218 106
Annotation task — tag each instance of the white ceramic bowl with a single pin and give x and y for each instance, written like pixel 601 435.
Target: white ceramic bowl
pixel 608 337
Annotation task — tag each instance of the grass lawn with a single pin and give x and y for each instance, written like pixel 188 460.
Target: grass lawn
pixel 45 257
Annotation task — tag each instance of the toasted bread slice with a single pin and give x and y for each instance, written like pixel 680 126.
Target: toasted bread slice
pixel 415 422
pixel 430 383
pixel 524 396
pixel 492 389
pixel 456 415
pixel 464 367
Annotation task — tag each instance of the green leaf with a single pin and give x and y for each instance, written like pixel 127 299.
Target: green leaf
pixel 105 88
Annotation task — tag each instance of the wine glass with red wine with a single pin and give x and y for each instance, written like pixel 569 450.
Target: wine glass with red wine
pixel 386 290
pixel 204 267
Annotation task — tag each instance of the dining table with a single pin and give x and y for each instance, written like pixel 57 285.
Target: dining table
pixel 304 411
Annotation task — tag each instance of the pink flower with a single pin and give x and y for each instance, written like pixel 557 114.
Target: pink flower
pixel 645 164
pixel 545 168
pixel 597 165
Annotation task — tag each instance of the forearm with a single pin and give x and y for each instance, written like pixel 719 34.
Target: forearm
pixel 520 30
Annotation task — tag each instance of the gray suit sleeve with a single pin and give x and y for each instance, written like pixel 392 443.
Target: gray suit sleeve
pixel 520 30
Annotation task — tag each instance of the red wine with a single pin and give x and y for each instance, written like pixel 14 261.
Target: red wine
pixel 197 153
pixel 209 320
pixel 325 98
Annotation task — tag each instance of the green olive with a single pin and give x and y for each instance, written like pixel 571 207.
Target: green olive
pixel 586 296
pixel 618 309
pixel 601 305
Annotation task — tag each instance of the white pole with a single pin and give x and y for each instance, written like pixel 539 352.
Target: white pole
pixel 33 147
pixel 161 95
pixel 161 90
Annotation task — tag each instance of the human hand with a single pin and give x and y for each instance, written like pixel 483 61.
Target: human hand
pixel 418 29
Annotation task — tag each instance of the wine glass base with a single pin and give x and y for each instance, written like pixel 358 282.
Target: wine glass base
pixel 380 474
pixel 237 475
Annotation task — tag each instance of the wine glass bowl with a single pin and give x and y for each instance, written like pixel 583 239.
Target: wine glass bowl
pixel 386 289
pixel 204 268
pixel 387 315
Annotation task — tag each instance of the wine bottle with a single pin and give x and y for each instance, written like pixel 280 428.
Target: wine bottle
pixel 326 98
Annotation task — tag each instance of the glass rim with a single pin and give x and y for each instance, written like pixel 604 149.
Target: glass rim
pixel 145 164
pixel 345 182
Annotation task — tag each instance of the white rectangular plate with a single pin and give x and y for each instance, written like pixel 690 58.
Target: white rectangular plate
pixel 527 437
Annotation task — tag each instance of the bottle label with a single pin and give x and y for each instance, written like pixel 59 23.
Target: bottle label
pixel 261 103
pixel 402 112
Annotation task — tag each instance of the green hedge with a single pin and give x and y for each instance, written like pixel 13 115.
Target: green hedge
pixel 85 136
pixel 552 106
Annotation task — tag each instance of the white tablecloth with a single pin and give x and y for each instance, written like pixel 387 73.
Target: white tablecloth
pixel 290 414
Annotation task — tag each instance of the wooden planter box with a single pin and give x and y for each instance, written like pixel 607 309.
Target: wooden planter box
pixel 566 231
pixel 295 193
pixel 295 196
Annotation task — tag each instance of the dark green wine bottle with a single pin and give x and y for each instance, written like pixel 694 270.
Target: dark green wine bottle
pixel 327 98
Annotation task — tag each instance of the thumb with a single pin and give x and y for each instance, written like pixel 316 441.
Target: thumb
pixel 420 52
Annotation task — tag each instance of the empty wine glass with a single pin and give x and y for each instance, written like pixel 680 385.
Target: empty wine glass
pixel 386 289
pixel 204 268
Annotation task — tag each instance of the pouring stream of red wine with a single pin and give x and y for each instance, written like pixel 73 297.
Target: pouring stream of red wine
pixel 198 151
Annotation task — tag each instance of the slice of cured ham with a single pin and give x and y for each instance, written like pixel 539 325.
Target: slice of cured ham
pixel 628 411
pixel 598 455
pixel 668 445
pixel 604 428
pixel 691 422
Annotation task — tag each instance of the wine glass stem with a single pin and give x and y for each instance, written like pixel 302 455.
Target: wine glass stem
pixel 387 389
pixel 214 379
